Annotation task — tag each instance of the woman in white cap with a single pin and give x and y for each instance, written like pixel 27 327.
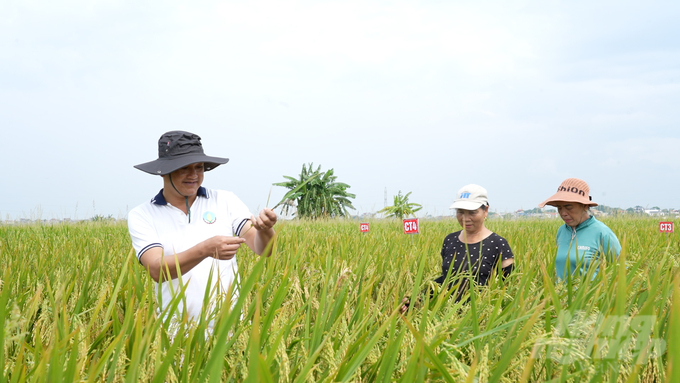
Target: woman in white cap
pixel 582 238
pixel 474 249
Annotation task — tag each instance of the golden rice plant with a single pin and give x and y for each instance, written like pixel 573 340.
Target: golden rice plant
pixel 77 306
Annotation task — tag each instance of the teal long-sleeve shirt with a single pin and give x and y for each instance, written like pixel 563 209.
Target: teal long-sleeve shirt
pixel 581 246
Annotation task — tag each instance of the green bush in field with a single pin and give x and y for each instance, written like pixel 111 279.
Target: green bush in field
pixel 401 207
pixel 316 194
pixel 77 306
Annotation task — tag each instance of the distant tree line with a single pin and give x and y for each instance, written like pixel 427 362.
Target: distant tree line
pixel 637 210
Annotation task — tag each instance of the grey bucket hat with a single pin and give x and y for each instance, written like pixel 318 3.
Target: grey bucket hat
pixel 176 150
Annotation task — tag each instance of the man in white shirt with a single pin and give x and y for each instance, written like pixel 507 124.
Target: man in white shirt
pixel 190 233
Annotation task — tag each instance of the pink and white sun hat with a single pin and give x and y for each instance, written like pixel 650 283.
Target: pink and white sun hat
pixel 571 190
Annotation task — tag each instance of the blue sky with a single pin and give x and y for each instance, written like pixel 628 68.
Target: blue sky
pixel 414 96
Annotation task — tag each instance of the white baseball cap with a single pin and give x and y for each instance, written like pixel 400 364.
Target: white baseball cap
pixel 470 197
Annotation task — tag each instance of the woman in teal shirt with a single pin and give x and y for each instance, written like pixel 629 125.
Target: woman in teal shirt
pixel 582 239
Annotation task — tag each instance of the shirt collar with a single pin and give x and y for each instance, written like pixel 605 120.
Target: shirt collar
pixel 159 199
pixel 586 223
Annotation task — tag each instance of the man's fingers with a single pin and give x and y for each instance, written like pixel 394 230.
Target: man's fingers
pixel 253 221
pixel 227 252
pixel 271 217
pixel 223 247
pixel 262 222
pixel 268 217
pixel 270 214
pixel 232 247
pixel 226 240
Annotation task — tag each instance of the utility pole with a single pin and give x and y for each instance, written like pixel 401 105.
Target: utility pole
pixel 385 197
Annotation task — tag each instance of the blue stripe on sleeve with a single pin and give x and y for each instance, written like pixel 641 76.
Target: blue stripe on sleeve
pixel 240 226
pixel 147 247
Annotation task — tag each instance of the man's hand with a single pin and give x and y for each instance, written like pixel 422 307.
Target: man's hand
pixel 259 238
pixel 218 247
pixel 265 220
pixel 222 247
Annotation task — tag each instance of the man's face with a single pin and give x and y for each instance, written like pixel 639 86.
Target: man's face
pixel 188 179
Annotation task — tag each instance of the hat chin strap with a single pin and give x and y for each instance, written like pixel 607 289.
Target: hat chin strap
pixel 186 198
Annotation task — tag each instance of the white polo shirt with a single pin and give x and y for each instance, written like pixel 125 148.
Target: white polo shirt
pixel 159 224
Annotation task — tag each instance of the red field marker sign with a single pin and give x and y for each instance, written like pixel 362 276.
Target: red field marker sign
pixel 364 227
pixel 411 226
pixel 666 227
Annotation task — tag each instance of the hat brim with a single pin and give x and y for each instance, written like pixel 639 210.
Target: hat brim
pixel 563 196
pixel 466 205
pixel 161 167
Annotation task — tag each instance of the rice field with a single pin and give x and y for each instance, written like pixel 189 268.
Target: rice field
pixel 77 306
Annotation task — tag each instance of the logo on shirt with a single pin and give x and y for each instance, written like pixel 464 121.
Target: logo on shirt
pixel 584 248
pixel 209 217
pixel 465 195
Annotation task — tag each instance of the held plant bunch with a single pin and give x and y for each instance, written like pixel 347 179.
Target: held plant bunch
pixel 76 305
